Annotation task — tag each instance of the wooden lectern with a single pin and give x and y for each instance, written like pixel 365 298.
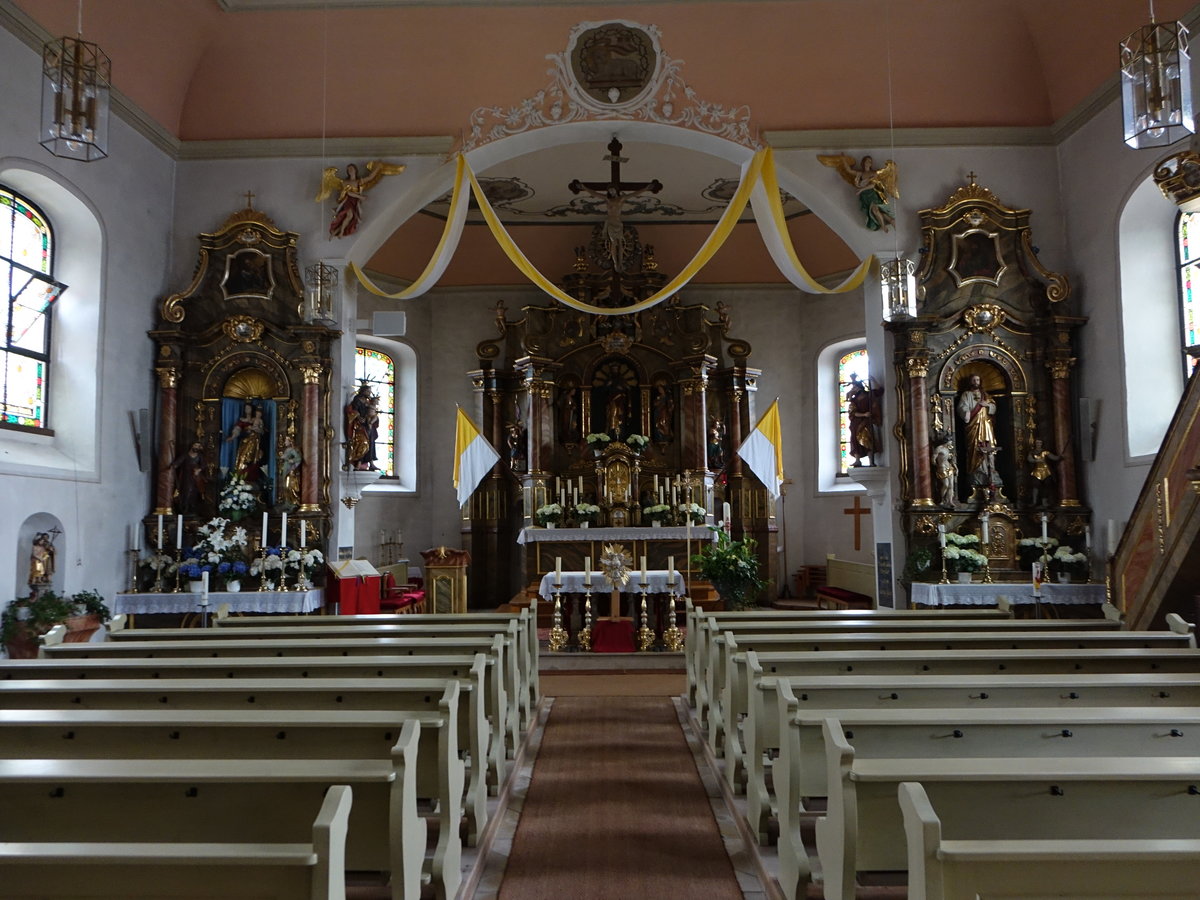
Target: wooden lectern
pixel 446 579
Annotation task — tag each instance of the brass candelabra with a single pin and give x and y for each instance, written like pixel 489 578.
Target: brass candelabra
pixel 558 634
pixel 645 635
pixel 672 636
pixel 584 638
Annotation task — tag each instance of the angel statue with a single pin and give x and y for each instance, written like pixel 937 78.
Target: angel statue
pixel 873 186
pixel 351 190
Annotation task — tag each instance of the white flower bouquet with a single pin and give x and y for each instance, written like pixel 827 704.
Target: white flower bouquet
pixel 237 498
pixel 596 438
pixel 637 441
pixel 551 512
pixel 587 512
pixel 692 511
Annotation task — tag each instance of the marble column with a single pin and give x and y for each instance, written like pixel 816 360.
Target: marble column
pixel 168 411
pixel 310 444
pixel 1060 399
pixel 917 367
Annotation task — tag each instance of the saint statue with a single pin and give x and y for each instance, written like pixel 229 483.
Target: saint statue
pixel 290 460
pixel 716 444
pixel 41 559
pixel 977 412
pixel 192 480
pixel 663 407
pixel 617 412
pixel 248 433
pixel 945 472
pixel 362 428
pixel 568 415
pixel 351 191
pixel 862 405
pixel 1041 473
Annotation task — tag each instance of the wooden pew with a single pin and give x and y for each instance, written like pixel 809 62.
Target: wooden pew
pixel 444 699
pixel 153 868
pixel 727 645
pixel 944 866
pixel 761 731
pixel 459 667
pixel 241 800
pixel 496 645
pixel 1041 798
pixel 526 619
pixel 800 772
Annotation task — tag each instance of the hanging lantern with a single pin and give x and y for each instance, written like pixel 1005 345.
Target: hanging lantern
pixel 898 282
pixel 320 286
pixel 1156 85
pixel 76 78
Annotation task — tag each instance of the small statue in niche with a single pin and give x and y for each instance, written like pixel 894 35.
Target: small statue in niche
pixel 1041 473
pixel 873 186
pixel 192 481
pixel 351 191
pixel 41 560
pixel 362 429
pixel 863 406
pixel 977 410
pixel 617 412
pixel 945 472
pixel 716 444
pixel 937 422
pixel 290 460
pixel 568 414
pixel 501 318
pixel 663 406
pixel 515 440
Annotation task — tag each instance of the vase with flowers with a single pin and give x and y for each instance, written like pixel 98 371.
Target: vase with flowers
pixel 692 512
pixel 586 514
pixel 598 440
pixel 637 442
pixel 961 557
pixel 237 498
pixel 549 515
pixel 221 550
pixel 657 514
pixel 1033 549
pixel 1066 564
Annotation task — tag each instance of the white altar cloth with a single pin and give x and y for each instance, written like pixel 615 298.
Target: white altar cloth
pixel 572 583
pixel 1017 593
pixel 239 602
pixel 608 535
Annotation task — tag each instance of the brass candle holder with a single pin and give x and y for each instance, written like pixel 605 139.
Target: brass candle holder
pixel 558 634
pixel 584 638
pixel 262 568
pixel 645 635
pixel 178 563
pixel 672 636
pixel 133 567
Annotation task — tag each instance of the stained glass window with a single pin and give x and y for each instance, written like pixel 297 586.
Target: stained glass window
pixel 378 370
pixel 850 364
pixel 26 271
pixel 1189 277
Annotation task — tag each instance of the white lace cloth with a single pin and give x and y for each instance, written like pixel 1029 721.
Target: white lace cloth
pixel 572 583
pixel 239 602
pixel 1017 593
pixel 608 535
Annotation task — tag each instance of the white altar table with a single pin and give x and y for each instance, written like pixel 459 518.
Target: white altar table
pixel 572 583
pixel 608 535
pixel 1017 593
pixel 239 602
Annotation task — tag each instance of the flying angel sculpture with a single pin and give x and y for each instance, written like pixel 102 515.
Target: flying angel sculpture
pixel 351 191
pixel 873 186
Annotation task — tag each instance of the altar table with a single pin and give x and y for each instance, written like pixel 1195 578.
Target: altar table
pixel 1017 593
pixel 239 602
pixel 608 535
pixel 572 583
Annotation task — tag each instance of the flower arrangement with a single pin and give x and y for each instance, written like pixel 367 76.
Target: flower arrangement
pixel 637 441
pixel 961 540
pixel 962 559
pixel 587 512
pixel 217 553
pixel 269 567
pixel 548 514
pixel 1066 561
pixel 1031 550
pixel 237 498
pixel 597 438
pixel 732 568
pixel 659 511
pixel 693 512
pixel 156 564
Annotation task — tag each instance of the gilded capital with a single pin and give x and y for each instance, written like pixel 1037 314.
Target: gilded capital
pixel 311 373
pixel 1060 368
pixel 167 378
pixel 916 366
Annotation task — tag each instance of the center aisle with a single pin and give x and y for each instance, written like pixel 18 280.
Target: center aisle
pixel 616 808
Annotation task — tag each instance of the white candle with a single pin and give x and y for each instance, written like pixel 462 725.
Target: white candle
pixel 644 576
pixel 660 495
pixel 671 570
pixel 674 496
pixel 726 512
pixel 575 496
pixel 580 484
pixel 264 531
pixel 587 571
pixel 1087 538
pixel 656 483
pixel 941 535
pixel 204 587
pixel 558 570
pixel 283 532
pixel 179 532
pixel 137 535
pixel 1043 526
pixel 984 521
pixel 160 530
pixel 303 535
pixel 1112 537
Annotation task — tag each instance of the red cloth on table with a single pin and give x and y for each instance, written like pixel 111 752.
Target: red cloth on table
pixel 355 594
pixel 612 636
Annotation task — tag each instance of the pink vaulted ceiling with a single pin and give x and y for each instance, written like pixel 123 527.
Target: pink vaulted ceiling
pixel 204 73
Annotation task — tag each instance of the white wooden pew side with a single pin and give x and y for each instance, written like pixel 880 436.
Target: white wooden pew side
pixel 159 869
pixel 119 798
pixel 1046 797
pixel 1083 869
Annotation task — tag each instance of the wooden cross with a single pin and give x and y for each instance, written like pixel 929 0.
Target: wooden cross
pixel 250 200
pixel 615 159
pixel 857 510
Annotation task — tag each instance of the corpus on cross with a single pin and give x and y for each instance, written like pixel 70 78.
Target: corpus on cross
pixel 614 193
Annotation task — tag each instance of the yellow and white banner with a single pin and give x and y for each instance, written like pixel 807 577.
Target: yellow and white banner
pixel 474 457
pixel 763 450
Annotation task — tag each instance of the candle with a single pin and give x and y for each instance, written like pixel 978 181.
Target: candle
pixel 283 532
pixel 644 576
pixel 674 496
pixel 1112 537
pixel 160 530
pixel 726 512
pixel 137 535
pixel 575 496
pixel 984 521
pixel 1087 538
pixel 1043 526
pixel 558 570
pixel 671 571
pixel 303 535
pixel 263 542
pixel 941 535
pixel 580 485
pixel 587 571
pixel 656 483
pixel 179 532
pixel 660 495
pixel 204 586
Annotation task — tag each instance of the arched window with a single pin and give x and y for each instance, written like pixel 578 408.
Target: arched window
pixel 1187 246
pixel 26 269
pixel 377 369
pixel 851 364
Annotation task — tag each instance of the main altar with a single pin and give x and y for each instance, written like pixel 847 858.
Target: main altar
pixel 617 420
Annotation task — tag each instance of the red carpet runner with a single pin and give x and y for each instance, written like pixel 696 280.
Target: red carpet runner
pixel 616 809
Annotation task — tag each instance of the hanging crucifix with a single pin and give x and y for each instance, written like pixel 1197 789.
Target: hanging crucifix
pixel 614 193
pixel 858 511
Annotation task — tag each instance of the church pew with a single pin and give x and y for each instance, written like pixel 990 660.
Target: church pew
pixel 459 667
pixel 729 644
pixel 516 633
pixel 800 771
pixel 242 800
pixel 498 646
pixel 151 868
pixel 1040 798
pixel 761 728
pixel 451 701
pixel 744 668
pixel 526 619
pixel 944 866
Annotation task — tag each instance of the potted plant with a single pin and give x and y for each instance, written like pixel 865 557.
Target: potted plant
pixel 586 514
pixel 637 442
pixel 1066 563
pixel 221 552
pixel 963 560
pixel 26 619
pixel 919 566
pixel 692 512
pixel 657 514
pixel 598 440
pixel 1032 549
pixel 549 515
pixel 732 568
pixel 268 567
pixel 305 563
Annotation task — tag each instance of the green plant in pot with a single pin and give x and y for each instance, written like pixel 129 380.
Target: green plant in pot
pixel 732 568
pixel 26 619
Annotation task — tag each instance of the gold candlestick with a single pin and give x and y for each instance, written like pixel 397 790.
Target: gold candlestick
pixel 673 637
pixel 584 638
pixel 645 635
pixel 178 563
pixel 558 634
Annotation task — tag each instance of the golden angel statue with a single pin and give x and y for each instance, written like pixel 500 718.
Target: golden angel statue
pixel 350 193
pixel 873 186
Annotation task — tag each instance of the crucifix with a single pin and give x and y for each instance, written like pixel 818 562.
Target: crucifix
pixel 614 193
pixel 857 510
pixel 250 200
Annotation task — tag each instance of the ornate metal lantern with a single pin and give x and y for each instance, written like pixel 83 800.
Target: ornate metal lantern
pixel 1156 85
pixel 899 286
pixel 76 79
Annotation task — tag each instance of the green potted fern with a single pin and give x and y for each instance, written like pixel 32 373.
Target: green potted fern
pixel 731 567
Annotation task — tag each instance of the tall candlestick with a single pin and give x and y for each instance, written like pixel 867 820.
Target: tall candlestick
pixel 984 521
pixel 558 570
pixel 941 535
pixel 263 542
pixel 580 484
pixel 179 532
pixel 587 571
pixel 671 571
pixel 283 532
pixel 660 495
pixel 656 483
pixel 644 576
pixel 1043 526
pixel 160 530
